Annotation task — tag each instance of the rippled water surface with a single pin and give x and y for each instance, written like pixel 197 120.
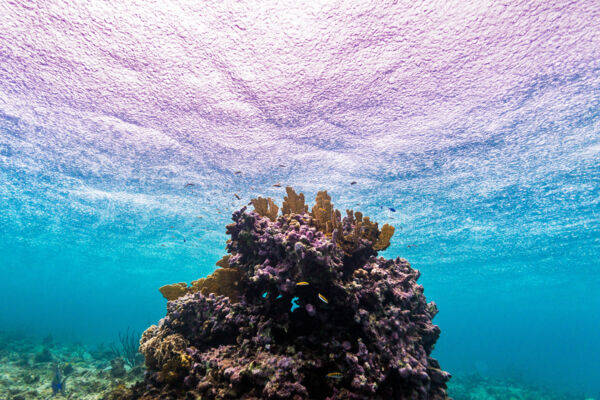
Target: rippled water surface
pixel 129 131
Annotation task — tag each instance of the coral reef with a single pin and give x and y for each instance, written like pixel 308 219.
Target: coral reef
pixel 307 311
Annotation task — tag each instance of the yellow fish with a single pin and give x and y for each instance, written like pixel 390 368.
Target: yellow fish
pixel 302 283
pixel 323 299
pixel 335 375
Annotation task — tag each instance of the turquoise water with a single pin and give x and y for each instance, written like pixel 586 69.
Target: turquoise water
pixel 119 172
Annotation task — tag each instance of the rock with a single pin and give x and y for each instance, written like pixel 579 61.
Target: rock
pixel 117 368
pixel 43 356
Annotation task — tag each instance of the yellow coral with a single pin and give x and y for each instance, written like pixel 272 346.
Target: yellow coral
pixel 369 230
pixel 165 353
pixel 225 281
pixel 293 203
pixel 173 369
pixel 173 291
pixel 222 282
pixel 158 347
pixel 383 242
pixel 224 262
pixel 322 212
pixel 265 207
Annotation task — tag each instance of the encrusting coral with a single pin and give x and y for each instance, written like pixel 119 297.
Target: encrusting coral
pixel 222 282
pixel 317 316
pixel 173 291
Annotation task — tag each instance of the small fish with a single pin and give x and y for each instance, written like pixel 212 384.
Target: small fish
pixel 187 185
pixel 353 183
pixel 237 172
pixel 281 165
pixel 294 303
pixel 411 245
pixel 236 196
pixel 264 295
pixel 335 375
pixel 279 296
pixel 392 209
pixel 277 185
pixel 323 299
pixel 58 383
pixel 303 283
pixel 199 216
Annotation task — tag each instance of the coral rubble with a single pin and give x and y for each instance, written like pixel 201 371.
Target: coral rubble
pixel 89 371
pixel 306 311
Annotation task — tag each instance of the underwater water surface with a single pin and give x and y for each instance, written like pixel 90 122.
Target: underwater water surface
pixel 130 132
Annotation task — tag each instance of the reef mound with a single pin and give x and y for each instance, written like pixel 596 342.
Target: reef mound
pixel 311 313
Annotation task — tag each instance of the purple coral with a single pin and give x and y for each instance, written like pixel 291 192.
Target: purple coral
pixel 372 339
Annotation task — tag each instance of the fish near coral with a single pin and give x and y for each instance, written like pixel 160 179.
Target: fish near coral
pixel 323 299
pixel 295 304
pixel 58 383
pixel 297 347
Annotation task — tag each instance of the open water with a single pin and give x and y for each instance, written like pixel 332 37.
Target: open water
pixel 128 130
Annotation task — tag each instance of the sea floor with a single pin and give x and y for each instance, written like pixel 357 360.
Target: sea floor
pixel 477 387
pixel 28 366
pixel 27 369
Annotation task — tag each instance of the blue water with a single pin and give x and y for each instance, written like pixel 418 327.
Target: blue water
pixel 505 228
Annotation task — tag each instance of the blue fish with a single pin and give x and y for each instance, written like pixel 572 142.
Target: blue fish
pixel 264 295
pixel 58 383
pixel 294 303
pixel 392 209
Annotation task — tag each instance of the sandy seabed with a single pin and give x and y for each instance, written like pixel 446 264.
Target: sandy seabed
pixel 28 366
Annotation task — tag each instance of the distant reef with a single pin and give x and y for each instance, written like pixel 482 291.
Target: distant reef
pixel 300 308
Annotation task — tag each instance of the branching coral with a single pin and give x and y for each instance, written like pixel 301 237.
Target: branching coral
pixel 348 235
pixel 383 242
pixel 265 207
pixel 317 316
pixel 293 203
pixel 323 213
